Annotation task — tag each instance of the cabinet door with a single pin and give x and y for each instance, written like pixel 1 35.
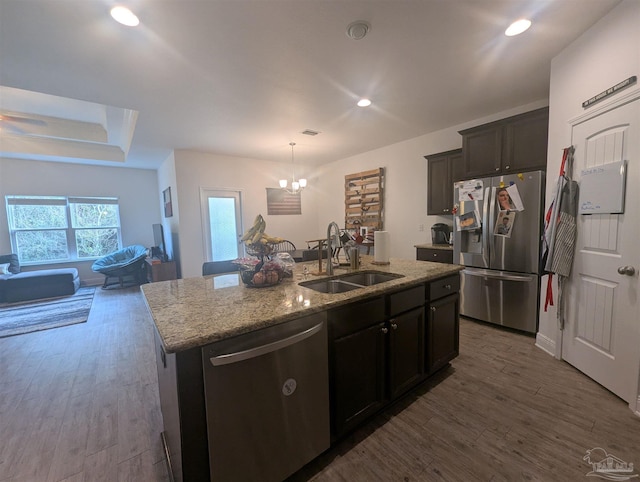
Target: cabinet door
pixel 439 194
pixel 456 168
pixel 435 255
pixel 482 150
pixel 358 381
pixel 406 351
pixel 442 332
pixel 526 142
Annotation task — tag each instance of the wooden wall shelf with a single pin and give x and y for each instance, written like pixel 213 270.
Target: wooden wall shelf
pixel 363 200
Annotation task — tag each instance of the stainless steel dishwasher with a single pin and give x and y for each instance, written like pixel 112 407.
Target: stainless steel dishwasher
pixel 267 397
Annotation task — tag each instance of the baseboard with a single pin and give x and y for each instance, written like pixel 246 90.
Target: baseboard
pixel 546 344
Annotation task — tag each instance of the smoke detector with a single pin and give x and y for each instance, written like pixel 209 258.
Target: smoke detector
pixel 358 30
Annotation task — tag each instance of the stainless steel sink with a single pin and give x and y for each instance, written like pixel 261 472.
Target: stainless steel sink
pixel 350 281
pixel 329 286
pixel 368 278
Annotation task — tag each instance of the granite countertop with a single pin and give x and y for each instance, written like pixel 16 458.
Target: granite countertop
pixel 193 312
pixel 445 247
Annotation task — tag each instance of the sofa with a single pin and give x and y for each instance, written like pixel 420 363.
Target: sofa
pixel 17 285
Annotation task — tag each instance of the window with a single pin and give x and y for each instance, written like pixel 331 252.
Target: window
pixel 47 229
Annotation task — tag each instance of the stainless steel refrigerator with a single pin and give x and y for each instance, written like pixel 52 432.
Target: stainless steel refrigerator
pixel 500 248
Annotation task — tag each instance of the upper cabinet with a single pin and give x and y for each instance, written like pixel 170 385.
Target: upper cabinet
pixel 514 144
pixel 443 169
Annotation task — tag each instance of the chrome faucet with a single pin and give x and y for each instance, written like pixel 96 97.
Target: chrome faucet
pixel 336 238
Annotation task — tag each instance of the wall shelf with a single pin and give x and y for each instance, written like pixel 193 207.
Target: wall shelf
pixel 363 200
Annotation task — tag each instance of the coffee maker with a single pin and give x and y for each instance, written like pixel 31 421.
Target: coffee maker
pixel 440 233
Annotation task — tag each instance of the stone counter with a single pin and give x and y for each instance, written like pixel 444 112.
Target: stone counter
pixel 192 312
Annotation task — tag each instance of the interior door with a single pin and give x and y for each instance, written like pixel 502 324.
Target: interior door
pixel 221 223
pixel 602 328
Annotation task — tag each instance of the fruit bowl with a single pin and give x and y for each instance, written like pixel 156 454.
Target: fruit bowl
pixel 260 249
pixel 260 278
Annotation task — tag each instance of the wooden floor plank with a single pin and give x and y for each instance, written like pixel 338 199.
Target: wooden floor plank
pixel 80 403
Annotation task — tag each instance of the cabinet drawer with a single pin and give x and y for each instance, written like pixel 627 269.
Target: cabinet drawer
pixel 406 300
pixel 437 255
pixel 355 317
pixel 444 286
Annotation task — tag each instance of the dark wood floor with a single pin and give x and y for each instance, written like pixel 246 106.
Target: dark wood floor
pixel 80 403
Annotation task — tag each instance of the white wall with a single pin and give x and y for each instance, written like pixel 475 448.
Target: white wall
pixel 171 225
pixel 606 54
pixel 406 183
pixel 322 201
pixel 196 170
pixel 136 190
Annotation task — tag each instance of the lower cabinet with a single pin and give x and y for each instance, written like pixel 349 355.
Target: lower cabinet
pixel 358 377
pixel 437 255
pixel 406 351
pixel 443 322
pixel 357 359
pixel 376 353
pixel 442 332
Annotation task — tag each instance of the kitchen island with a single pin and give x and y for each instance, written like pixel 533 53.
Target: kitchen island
pixel 387 332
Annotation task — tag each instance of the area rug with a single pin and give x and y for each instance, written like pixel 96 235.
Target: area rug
pixel 30 316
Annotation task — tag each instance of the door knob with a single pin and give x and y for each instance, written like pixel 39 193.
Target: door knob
pixel 628 270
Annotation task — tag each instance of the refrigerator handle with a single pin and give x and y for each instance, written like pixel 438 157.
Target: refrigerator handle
pixel 491 224
pixel 485 227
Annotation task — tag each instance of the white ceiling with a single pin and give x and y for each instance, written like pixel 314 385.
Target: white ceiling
pixel 245 78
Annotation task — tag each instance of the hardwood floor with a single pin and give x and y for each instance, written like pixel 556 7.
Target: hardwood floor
pixel 80 403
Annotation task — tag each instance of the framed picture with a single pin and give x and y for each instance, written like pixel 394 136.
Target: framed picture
pixel 166 196
pixel 282 202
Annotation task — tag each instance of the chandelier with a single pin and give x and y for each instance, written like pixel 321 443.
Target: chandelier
pixel 296 186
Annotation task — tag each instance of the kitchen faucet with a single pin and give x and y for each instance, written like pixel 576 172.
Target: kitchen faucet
pixel 336 237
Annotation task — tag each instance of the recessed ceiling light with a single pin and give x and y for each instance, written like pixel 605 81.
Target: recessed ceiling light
pixel 364 103
pixel 517 27
pixel 124 16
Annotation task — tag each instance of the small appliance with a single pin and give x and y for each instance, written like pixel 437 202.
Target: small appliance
pixel 440 233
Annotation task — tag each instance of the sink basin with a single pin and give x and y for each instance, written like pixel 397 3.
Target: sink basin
pixel 348 282
pixel 330 286
pixel 368 278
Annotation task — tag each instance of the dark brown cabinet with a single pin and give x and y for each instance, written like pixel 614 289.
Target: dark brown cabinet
pixel 357 358
pixel 406 351
pixel 514 144
pixel 358 377
pixel 443 169
pixel 443 318
pixel 160 271
pixel 436 255
pixel 376 353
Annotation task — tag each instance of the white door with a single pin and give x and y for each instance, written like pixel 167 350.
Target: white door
pixel 602 328
pixel 221 223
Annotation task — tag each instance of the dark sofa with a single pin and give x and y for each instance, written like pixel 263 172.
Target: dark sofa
pixel 20 285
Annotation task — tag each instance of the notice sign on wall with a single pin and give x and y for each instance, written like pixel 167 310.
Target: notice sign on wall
pixel 610 91
pixel 602 189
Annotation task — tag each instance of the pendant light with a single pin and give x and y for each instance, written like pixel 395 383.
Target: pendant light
pixel 296 186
